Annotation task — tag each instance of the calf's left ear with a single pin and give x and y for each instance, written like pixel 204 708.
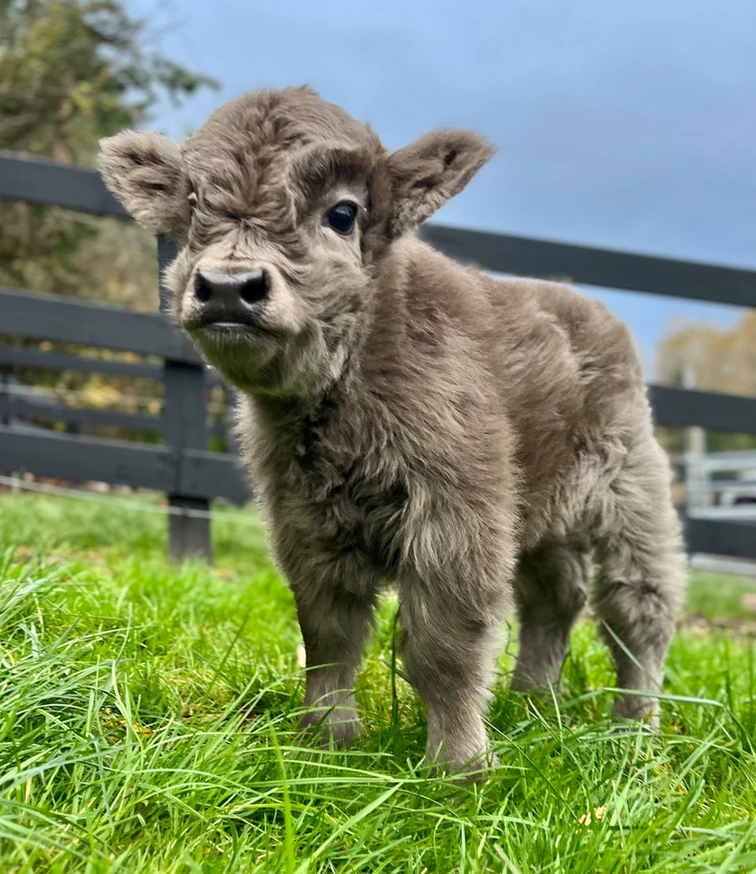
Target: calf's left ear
pixel 430 171
pixel 146 172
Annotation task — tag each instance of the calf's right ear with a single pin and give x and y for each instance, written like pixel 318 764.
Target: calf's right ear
pixel 146 172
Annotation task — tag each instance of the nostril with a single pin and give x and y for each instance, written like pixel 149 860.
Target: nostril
pixel 254 287
pixel 202 289
pixel 227 290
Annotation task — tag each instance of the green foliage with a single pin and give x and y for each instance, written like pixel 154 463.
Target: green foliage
pixel 71 72
pixel 74 71
pixel 147 719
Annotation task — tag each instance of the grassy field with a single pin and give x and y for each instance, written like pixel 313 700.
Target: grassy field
pixel 147 720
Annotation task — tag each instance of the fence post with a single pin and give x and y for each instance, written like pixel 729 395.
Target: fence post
pixel 185 427
pixel 4 383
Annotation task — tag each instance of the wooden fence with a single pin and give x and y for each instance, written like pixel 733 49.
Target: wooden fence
pixel 183 466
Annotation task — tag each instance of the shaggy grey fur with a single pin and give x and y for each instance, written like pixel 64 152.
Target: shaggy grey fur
pixel 406 418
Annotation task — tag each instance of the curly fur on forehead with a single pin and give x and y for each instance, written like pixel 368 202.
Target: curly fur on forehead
pixel 282 119
pixel 238 158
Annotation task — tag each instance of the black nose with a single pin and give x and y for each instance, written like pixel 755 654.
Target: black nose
pixel 231 291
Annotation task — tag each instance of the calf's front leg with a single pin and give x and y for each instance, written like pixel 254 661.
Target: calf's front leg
pixel 335 621
pixel 449 644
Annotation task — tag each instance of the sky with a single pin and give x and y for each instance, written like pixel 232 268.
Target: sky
pixel 629 124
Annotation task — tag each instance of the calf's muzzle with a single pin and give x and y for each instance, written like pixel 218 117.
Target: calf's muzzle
pixel 230 297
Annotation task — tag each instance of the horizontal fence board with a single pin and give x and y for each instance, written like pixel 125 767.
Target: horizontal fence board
pixel 87 458
pixel 41 181
pixel 521 256
pixel 67 320
pixel 52 412
pixel 720 537
pixel 80 188
pixel 743 512
pixel 201 474
pixel 712 410
pixel 192 473
pixel 16 357
pixel 745 486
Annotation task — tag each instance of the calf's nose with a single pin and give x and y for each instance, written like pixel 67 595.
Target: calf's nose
pixel 231 291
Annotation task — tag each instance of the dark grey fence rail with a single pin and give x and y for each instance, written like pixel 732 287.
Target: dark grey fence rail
pixel 183 467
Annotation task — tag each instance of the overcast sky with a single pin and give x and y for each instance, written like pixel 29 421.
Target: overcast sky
pixel 621 123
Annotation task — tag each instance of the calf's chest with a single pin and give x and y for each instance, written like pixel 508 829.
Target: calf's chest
pixel 339 501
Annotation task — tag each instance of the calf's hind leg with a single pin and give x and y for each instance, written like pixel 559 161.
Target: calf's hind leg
pixel 641 578
pixel 551 589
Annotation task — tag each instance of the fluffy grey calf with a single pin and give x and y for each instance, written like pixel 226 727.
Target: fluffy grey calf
pixel 406 418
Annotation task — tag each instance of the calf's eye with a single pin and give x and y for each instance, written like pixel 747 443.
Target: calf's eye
pixel 342 217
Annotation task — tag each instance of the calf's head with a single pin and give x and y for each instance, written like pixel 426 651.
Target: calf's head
pixel 282 207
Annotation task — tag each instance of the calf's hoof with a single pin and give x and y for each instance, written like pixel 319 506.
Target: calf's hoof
pixel 338 727
pixel 641 710
pixel 474 769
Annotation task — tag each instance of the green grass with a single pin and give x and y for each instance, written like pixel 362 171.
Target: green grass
pixel 718 595
pixel 147 720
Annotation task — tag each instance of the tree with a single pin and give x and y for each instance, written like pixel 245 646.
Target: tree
pixel 71 72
